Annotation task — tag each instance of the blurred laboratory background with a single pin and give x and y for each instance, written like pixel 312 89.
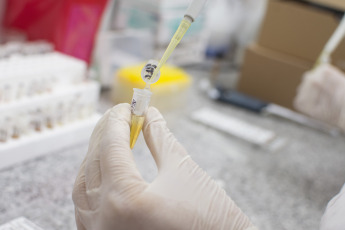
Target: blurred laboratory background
pixel 255 92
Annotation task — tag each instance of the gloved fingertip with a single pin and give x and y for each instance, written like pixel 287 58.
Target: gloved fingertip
pixel 121 112
pixel 153 111
pixel 153 116
pixel 160 141
pixel 121 108
pixel 116 128
pixel 326 69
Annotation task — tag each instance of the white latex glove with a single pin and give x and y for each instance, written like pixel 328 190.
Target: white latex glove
pixel 109 192
pixel 333 219
pixel 322 95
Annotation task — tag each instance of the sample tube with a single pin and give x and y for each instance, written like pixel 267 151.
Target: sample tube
pixel 139 105
pixel 4 129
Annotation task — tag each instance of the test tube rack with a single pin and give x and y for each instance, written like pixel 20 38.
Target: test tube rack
pixel 45 105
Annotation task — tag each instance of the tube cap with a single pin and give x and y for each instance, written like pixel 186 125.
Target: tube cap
pixel 148 70
pixel 140 101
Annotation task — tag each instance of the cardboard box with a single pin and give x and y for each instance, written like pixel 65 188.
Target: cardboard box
pixel 333 4
pixel 299 29
pixel 272 76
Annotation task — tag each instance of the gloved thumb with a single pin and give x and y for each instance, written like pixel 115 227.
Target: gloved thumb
pixel 165 149
pixel 116 161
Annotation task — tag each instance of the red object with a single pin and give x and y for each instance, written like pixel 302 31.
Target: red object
pixel 70 25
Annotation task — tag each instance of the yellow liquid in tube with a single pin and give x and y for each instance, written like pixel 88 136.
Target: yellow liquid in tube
pixel 136 125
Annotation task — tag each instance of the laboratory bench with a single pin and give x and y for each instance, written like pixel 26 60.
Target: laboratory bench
pixel 287 188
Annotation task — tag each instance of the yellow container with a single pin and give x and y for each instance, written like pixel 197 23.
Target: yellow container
pixel 170 92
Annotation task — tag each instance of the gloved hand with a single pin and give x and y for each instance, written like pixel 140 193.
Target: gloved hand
pixel 333 219
pixel 109 192
pixel 321 95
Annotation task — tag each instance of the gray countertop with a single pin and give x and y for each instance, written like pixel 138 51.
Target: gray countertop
pixel 284 189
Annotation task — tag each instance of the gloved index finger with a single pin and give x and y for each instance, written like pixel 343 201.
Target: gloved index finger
pixel 92 170
pixel 164 147
pixel 116 159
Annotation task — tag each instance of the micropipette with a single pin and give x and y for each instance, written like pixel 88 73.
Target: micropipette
pixel 151 71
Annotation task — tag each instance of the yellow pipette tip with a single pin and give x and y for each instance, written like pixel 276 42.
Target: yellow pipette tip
pixel 180 32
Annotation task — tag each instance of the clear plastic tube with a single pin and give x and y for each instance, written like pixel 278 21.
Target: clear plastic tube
pixel 140 102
